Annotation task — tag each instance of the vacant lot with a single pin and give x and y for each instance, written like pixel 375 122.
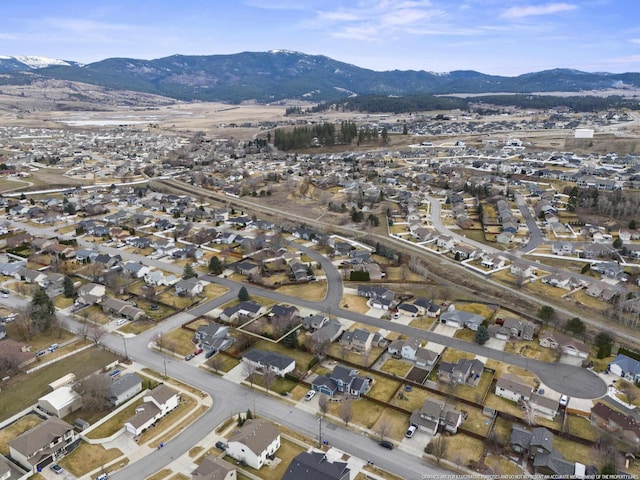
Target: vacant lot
pixel 312 291
pixel 26 389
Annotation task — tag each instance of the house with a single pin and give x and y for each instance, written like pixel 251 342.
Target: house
pixel 611 270
pixel 314 322
pixel 559 280
pixel 5 468
pixel 93 289
pixel 508 387
pixel 328 333
pixel 493 261
pixel 464 372
pixel 358 340
pixel 625 367
pixel 460 318
pixel 61 402
pixel 242 311
pixel 188 287
pixel 445 242
pixel 434 414
pixel 43 444
pixel 408 309
pixel 123 309
pixel 407 349
pixel 254 443
pixel 513 328
pixel 562 248
pixel 602 290
pixel 544 405
pixel 158 278
pixel 538 445
pixel 341 379
pixel 284 311
pixel 316 466
pixel 214 468
pixel 622 425
pixel 519 269
pixel 156 404
pixel 135 270
pixel 123 388
pixel 264 360
pixel 565 344
pixel 213 337
pixel 380 297
pixel 245 267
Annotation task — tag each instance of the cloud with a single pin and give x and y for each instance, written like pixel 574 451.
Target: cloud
pixel 536 10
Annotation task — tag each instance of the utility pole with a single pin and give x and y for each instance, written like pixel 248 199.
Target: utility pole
pixel 319 432
pixel 126 354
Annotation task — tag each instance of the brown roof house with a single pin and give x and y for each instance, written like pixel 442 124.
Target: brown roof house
pixel 214 468
pixel 435 413
pixel 43 444
pixel 255 443
pixel 624 426
pixel 157 403
pixel 565 344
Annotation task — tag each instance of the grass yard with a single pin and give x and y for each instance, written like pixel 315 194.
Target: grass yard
pixel 160 474
pixel 478 308
pixel 525 376
pixel 25 389
pixel 170 298
pixel 465 334
pixel 572 451
pixel 312 291
pixel 299 392
pixel 62 302
pixel 180 476
pixel 583 428
pixel 501 431
pixel 582 298
pixel 545 422
pixel 383 388
pixel 452 355
pixel 502 466
pixel 475 422
pixel 88 457
pixel 475 394
pixel 175 422
pixel 412 400
pixel 463 450
pixel 354 303
pixel 214 290
pixel 395 423
pixel 179 341
pixel 396 367
pixel 115 423
pixel 227 362
pixel 503 405
pixel 425 323
pixel 280 385
pixel 531 350
pixel 365 413
pixel 137 327
pixel 545 291
pixel 287 451
pixel 20 426
pixel 336 350
pixel 94 314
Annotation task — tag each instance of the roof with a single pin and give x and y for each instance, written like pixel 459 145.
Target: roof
pixel 212 468
pixel 271 359
pixel 61 397
pixel 508 383
pixel 124 383
pixel 144 412
pixel 39 437
pixel 627 364
pixel 162 393
pixel 256 434
pixel 315 466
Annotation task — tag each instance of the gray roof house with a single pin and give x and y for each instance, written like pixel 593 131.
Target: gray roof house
pixel 213 337
pixel 342 379
pixel 436 413
pixel 276 362
pixel 315 466
pixel 461 319
pixel 214 468
pixel 124 388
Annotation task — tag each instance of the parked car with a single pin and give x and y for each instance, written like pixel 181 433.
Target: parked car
pixel 57 468
pixel 564 400
pixel 310 394
pixel 410 431
pixel 121 321
pixel 386 444
pixel 39 353
pixel 197 351
pixel 53 347
pixel 221 445
pixel 189 357
pixel 102 476
pixel 154 306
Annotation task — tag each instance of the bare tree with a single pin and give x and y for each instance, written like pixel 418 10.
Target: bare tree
pixel 161 341
pixel 630 391
pixel 323 404
pixel 61 325
pixel 268 377
pixel 248 370
pixel 383 427
pixel 216 362
pixel 437 447
pixel 23 326
pixel 96 332
pixel 529 413
pixel 346 411
pixel 149 293
pixel 94 391
pixel 9 362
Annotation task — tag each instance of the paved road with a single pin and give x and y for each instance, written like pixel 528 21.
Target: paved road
pixel 535 235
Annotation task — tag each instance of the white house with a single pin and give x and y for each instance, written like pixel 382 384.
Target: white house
pixel 124 388
pixel 189 287
pixel 276 362
pixel 61 402
pixel 156 404
pixel 508 387
pixel 254 442
pixel 625 367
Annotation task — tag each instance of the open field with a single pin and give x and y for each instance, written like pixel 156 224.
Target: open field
pixel 25 389
pixel 312 291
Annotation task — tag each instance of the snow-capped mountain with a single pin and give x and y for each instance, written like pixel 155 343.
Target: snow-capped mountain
pixel 22 63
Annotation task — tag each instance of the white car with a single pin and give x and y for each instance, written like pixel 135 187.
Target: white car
pixel 410 431
pixel 564 400
pixel 121 321
pixel 310 394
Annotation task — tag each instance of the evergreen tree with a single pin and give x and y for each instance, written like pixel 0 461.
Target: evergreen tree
pixel 67 285
pixel 42 311
pixel 249 415
pixel 482 335
pixel 188 272
pixel 243 294
pixel 576 326
pixel 215 265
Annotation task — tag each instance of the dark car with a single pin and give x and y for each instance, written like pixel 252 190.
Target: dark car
pixel 386 444
pixel 221 445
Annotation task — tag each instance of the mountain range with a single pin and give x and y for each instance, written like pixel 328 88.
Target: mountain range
pixel 278 75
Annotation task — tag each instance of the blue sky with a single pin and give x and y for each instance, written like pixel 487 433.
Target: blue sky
pixel 502 37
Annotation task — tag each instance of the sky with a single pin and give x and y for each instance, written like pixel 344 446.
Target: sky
pixel 499 37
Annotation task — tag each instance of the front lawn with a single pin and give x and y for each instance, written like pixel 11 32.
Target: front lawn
pixel 88 457
pixel 302 358
pixel 451 355
pixel 475 394
pixel 502 466
pixel 528 349
pixel 462 449
pixel 365 413
pixel 179 341
pixel 312 291
pixel 393 422
pixel 354 303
